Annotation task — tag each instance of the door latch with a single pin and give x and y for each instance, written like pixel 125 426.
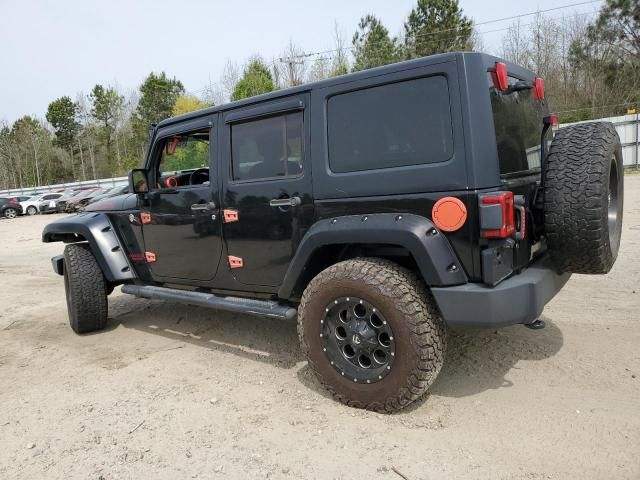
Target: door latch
pixel 285 202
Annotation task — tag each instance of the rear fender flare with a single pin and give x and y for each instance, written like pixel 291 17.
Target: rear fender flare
pixel 97 230
pixel 432 252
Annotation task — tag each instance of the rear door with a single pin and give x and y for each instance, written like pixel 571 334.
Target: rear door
pixel 518 121
pixel 266 197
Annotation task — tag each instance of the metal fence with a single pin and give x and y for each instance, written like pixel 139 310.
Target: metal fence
pixel 628 127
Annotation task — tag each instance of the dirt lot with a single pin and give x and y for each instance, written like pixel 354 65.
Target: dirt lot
pixel 182 392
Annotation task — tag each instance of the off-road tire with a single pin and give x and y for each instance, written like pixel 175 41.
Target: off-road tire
pixel 412 314
pixel 31 210
pixel 10 213
pixel 86 289
pixel 584 172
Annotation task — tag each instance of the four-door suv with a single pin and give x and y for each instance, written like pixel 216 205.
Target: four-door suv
pixel 378 208
pixel 10 207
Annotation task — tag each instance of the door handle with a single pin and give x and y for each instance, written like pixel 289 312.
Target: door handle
pixel 198 207
pixel 285 202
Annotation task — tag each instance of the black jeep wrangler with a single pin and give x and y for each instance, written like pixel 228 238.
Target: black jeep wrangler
pixel 379 208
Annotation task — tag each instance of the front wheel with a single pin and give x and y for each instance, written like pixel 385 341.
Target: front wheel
pixel 86 289
pixel 372 334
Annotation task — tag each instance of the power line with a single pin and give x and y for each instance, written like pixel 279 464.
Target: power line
pixel 583 14
pixel 487 22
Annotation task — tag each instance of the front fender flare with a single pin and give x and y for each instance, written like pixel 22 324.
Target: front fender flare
pixel 95 228
pixel 430 249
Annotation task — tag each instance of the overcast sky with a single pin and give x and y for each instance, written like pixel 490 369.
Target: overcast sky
pixel 55 48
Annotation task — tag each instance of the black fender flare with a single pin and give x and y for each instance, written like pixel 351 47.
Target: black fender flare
pixel 97 230
pixel 430 249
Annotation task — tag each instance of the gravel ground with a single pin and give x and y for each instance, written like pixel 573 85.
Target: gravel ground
pixel 171 391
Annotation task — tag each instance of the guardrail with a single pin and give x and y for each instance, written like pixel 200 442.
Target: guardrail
pixel 102 182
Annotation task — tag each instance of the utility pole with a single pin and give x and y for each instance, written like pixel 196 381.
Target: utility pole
pixel 291 69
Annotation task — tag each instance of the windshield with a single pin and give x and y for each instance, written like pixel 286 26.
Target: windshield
pixel 517 116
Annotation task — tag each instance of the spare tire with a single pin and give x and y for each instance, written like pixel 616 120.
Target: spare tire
pixel 583 198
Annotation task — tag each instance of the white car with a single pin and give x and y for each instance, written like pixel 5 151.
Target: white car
pixel 31 205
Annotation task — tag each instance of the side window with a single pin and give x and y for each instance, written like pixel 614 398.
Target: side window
pixel 180 156
pixel 267 147
pixel 48 197
pixel 394 125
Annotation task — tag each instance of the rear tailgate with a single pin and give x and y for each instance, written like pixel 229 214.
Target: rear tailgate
pixel 518 116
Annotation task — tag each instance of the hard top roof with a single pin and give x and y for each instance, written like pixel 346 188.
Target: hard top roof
pixel 350 77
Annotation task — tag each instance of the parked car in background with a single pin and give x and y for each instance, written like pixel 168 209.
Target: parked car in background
pixel 31 205
pixel 80 200
pixel 57 205
pixel 10 207
pixel 113 192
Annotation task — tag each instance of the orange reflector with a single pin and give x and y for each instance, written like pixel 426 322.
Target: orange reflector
pixel 449 214
pixel 235 262
pixel 230 216
pixel 150 257
pixel 145 217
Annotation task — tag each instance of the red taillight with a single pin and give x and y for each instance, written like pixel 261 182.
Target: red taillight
pixel 13 201
pixel 505 200
pixel 501 76
pixel 538 88
pixel 552 120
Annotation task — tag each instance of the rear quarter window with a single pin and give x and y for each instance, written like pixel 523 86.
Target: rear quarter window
pixel 389 126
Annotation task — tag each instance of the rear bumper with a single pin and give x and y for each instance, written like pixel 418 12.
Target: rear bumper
pixel 519 299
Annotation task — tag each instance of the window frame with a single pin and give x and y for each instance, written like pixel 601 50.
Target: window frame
pixel 152 165
pixel 280 109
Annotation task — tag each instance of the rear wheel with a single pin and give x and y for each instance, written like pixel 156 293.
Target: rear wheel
pixel 31 210
pixel 371 333
pixel 583 198
pixel 86 289
pixel 10 213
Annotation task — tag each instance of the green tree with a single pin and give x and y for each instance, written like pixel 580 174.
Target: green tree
pixel 32 140
pixel 106 104
pixel 158 95
pixel 608 57
pixel 256 79
pixel 186 104
pixel 436 26
pixel 61 114
pixel 372 45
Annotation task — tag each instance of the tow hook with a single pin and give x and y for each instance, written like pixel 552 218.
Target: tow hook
pixel 536 325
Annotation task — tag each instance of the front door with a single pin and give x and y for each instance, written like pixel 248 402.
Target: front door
pixel 267 197
pixel 180 225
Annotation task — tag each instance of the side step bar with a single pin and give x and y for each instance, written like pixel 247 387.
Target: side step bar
pixel 268 308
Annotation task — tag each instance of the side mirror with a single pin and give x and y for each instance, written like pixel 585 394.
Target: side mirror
pixel 138 180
